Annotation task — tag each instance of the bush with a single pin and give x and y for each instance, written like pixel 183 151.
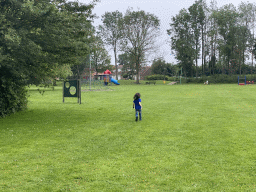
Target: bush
pixel 125 75
pixel 215 79
pixel 249 77
pixel 12 93
pixel 157 77
pixel 173 78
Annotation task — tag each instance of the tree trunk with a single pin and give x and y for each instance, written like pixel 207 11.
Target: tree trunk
pixel 138 73
pixel 96 67
pixel 240 62
pixel 78 72
pixel 202 50
pixel 252 60
pixel 116 62
pixel 210 65
pixel 196 60
pixel 214 53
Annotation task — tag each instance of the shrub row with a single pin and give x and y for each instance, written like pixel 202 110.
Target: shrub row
pixel 162 77
pixel 219 78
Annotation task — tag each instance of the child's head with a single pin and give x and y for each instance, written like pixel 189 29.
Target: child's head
pixel 136 96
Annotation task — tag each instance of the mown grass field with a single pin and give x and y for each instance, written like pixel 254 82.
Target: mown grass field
pixel 191 138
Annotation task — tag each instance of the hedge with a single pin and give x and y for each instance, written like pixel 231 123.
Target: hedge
pixel 215 79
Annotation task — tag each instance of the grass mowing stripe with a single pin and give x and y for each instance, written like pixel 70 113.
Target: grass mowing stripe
pixel 191 138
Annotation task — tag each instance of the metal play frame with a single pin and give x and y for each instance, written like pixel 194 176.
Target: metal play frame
pixel 242 79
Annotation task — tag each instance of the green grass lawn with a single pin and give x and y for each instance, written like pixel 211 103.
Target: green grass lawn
pixel 191 138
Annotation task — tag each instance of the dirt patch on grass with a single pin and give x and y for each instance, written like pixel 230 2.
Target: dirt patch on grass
pixel 173 83
pixel 85 90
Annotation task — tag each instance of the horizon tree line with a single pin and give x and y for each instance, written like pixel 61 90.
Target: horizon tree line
pixel 222 37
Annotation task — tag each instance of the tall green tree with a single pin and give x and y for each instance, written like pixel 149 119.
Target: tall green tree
pixel 100 56
pixel 226 19
pixel 110 31
pixel 254 50
pixel 35 38
pixel 182 41
pixel 139 33
pixel 246 30
pixel 128 64
pixel 212 34
pixel 204 21
pixel 197 20
pixel 159 66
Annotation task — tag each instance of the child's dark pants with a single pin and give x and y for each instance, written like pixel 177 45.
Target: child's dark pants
pixel 138 112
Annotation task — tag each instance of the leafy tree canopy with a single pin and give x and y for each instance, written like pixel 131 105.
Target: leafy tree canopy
pixel 39 40
pixel 159 66
pixel 38 36
pixel 139 33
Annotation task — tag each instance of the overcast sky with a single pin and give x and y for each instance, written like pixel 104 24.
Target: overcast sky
pixel 163 9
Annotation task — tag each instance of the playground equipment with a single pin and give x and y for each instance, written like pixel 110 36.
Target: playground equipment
pixel 114 81
pixel 108 78
pixel 242 79
pixel 72 88
pixel 93 85
pixel 249 82
pixel 99 83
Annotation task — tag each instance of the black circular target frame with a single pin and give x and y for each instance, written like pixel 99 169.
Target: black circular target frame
pixel 72 88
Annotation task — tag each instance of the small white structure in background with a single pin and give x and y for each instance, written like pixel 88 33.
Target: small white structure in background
pixel 206 83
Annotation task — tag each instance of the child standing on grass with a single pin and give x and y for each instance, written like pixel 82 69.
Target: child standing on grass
pixel 138 106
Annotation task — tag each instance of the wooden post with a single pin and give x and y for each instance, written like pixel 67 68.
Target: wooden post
pixel 63 90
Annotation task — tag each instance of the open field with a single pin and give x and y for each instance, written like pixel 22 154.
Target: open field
pixel 191 138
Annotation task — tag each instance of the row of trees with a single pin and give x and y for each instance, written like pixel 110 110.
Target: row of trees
pixel 222 37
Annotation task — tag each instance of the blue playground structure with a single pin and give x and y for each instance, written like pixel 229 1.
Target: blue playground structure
pixel 114 81
pixel 108 78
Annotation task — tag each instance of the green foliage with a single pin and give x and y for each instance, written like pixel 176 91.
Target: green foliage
pixel 226 34
pixel 127 61
pixel 182 41
pixel 197 20
pixel 139 31
pixel 249 77
pixel 158 77
pixel 160 67
pixel 110 30
pixel 111 33
pixel 214 79
pixel 39 39
pixel 100 56
pixel 125 75
pixel 163 77
pixel 254 51
pixel 174 78
pixel 63 72
pixel 13 95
